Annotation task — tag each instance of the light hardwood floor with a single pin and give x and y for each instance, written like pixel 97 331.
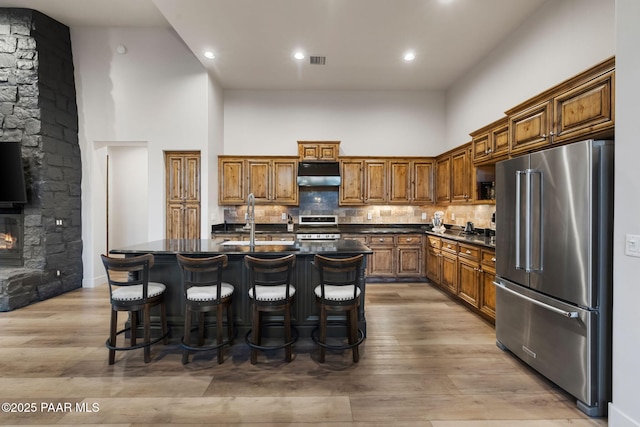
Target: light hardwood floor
pixel 426 361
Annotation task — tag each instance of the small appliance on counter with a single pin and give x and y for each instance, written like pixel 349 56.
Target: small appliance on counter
pixel 438 222
pixel 469 229
pixel 289 223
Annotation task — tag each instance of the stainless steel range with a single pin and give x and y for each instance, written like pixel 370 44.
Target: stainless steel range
pixel 318 227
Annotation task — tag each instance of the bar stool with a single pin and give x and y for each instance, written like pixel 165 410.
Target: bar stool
pixel 339 291
pixel 130 290
pixel 203 292
pixel 271 291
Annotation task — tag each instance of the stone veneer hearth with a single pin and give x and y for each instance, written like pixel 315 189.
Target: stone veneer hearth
pixel 38 109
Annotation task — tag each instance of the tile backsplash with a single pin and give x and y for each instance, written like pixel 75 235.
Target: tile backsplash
pixel 326 203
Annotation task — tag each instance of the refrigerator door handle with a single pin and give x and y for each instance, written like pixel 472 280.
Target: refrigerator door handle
pixel 527 222
pixel 535 244
pixel 569 314
pixel 518 224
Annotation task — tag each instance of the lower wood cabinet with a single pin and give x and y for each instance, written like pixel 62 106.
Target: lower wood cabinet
pixel 449 251
pixel 487 302
pixel 382 263
pixel 433 259
pixel 394 255
pixel 409 255
pixel 466 271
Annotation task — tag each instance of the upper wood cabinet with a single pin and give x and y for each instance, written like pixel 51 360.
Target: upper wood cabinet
pixel 231 181
pixel 375 181
pixel 352 182
pixel 324 151
pixel 490 143
pixel 272 180
pixel 461 175
pixel 363 181
pixel 411 181
pixel 443 178
pixel 581 107
pixel 386 180
pixel 453 175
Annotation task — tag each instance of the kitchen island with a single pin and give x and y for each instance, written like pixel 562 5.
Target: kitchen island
pixel 305 276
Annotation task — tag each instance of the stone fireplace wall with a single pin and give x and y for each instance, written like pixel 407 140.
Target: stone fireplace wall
pixel 38 109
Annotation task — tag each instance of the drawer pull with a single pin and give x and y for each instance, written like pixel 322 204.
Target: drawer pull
pixel 449 246
pixel 493 259
pixel 409 239
pixel 381 239
pixel 569 314
pixel 468 251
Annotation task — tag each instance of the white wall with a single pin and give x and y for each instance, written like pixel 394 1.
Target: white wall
pixel 128 186
pixel 216 147
pixel 625 411
pixel 157 93
pixel 560 40
pixel 366 122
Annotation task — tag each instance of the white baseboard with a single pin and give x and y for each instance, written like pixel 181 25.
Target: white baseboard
pixel 620 419
pixel 94 282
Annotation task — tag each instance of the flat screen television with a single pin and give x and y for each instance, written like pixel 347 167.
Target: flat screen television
pixel 12 183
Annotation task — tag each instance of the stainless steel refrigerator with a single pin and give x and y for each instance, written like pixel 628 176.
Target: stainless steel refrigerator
pixel 554 233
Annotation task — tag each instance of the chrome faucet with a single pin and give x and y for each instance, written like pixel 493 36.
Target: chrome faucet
pixel 251 218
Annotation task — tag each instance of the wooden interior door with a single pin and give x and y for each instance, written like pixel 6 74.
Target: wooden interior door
pixel 182 194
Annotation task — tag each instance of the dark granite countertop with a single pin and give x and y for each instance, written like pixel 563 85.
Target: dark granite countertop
pixel 453 232
pixel 217 246
pixel 342 228
pixel 459 236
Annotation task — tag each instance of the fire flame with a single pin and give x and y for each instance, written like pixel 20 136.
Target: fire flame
pixel 7 241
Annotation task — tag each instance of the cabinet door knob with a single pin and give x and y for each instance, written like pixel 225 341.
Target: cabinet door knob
pixel 493 259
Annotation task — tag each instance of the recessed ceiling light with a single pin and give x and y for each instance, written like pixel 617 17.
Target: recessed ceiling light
pixel 298 55
pixel 409 56
pixel 209 55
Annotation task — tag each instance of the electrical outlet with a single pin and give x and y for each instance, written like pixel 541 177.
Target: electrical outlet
pixel 284 216
pixel 453 216
pixel 58 222
pixel 58 273
pixel 632 245
pixel 369 215
pixel 424 215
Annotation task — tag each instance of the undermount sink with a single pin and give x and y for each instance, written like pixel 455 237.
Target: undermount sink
pixel 259 243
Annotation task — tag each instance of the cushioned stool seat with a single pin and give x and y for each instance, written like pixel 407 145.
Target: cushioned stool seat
pixel 271 291
pixel 339 291
pixel 204 291
pixel 130 290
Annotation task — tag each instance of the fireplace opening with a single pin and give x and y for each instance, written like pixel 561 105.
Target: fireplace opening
pixel 11 237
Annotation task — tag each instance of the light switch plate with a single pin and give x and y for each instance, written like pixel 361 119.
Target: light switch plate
pixel 424 215
pixel 632 245
pixel 369 215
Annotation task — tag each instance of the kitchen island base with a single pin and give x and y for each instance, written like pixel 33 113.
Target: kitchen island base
pixel 305 313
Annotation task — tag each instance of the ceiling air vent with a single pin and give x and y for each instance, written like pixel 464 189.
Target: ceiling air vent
pixel 317 60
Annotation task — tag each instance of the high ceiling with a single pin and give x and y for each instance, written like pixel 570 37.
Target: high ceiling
pixel 363 40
